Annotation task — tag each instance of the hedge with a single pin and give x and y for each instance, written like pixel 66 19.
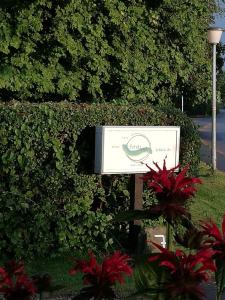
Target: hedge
pixel 141 51
pixel 50 199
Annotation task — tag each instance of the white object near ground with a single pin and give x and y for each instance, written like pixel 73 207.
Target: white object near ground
pixel 163 239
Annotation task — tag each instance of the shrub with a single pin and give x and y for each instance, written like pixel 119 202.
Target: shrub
pixel 79 50
pixel 50 199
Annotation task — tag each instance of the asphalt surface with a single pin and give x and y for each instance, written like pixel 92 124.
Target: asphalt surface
pixel 205 129
pixel 210 292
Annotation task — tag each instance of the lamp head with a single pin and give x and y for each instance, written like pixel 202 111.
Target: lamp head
pixel 214 34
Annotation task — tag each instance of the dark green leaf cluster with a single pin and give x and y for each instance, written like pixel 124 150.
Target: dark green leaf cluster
pixel 50 200
pixel 82 50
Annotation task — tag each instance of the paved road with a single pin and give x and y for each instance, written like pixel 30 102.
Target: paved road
pixel 210 292
pixel 205 133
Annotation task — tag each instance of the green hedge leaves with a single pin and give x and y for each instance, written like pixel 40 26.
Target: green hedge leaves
pixel 50 200
pixel 141 51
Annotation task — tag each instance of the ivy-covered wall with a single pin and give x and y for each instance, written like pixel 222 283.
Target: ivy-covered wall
pixel 50 200
pixel 99 50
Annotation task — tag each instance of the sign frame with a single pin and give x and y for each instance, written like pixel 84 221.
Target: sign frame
pixel 133 151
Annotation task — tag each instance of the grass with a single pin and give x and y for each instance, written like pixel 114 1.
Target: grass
pixel 209 202
pixel 57 268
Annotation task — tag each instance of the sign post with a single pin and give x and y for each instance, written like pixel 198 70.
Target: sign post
pixel 137 237
pixel 128 150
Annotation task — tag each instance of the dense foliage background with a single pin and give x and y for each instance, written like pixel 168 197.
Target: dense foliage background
pixel 81 50
pixel 129 52
pixel 50 200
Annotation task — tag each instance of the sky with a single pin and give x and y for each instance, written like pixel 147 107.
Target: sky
pixel 220 21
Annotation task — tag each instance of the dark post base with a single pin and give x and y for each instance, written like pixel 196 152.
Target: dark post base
pixel 137 240
pixel 137 236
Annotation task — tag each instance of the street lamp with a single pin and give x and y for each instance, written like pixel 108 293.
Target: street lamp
pixel 214 35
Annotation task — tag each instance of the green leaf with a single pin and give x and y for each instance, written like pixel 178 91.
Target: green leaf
pixel 24 205
pixel 20 160
pixel 148 278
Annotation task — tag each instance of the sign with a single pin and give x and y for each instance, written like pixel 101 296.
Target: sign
pixel 127 149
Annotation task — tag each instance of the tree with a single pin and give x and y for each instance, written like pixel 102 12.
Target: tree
pixel 99 50
pixel 221 87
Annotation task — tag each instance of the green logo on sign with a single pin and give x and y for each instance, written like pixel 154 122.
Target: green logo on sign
pixel 138 148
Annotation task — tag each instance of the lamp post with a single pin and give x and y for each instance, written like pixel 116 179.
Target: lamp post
pixel 214 35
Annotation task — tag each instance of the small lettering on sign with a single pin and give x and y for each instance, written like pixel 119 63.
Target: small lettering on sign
pixel 162 149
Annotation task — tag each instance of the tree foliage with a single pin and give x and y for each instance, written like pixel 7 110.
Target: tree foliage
pixel 221 87
pixel 99 50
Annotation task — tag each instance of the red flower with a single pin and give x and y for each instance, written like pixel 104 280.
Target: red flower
pixel 102 276
pixel 14 268
pixel 187 272
pixel 172 191
pixel 4 278
pixel 217 238
pixel 111 270
pixel 115 266
pixel 14 283
pixel 90 268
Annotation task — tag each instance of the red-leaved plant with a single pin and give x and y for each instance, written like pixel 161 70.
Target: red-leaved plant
pixel 172 191
pixel 100 278
pixel 14 283
pixel 187 272
pixel 216 241
pixel 216 237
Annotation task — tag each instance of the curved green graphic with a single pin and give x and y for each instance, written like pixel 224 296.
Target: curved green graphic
pixel 136 152
pixel 134 148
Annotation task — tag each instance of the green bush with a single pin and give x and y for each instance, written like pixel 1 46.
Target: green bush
pixel 81 49
pixel 50 199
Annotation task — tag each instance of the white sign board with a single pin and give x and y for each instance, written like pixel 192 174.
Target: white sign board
pixel 127 149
